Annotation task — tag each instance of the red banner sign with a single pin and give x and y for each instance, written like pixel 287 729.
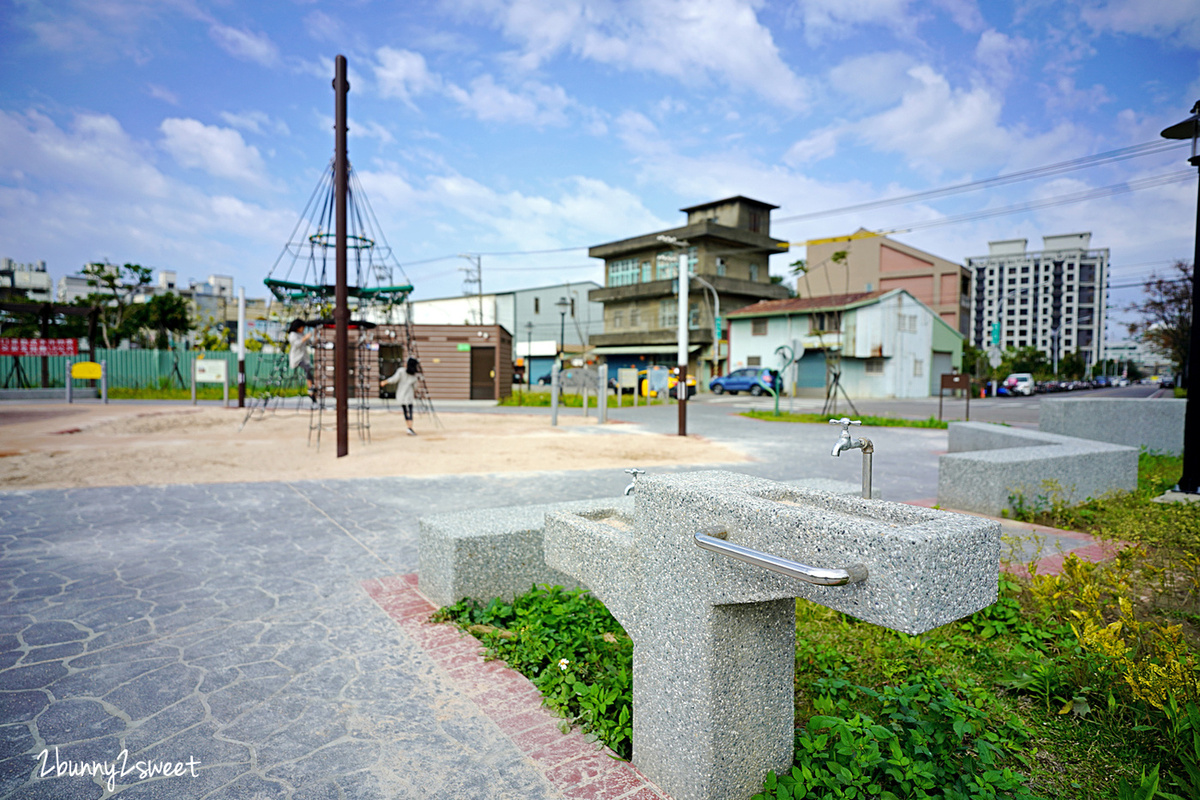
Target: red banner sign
pixel 39 347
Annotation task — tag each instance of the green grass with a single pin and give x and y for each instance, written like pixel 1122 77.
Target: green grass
pixel 1011 702
pixel 542 399
pixel 868 421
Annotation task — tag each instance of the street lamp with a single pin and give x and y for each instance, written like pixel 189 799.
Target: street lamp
pixel 529 356
pixel 1190 481
pixel 681 390
pixel 716 351
pixel 562 305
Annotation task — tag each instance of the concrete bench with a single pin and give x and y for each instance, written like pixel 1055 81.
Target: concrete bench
pixel 987 464
pixel 1156 425
pixel 497 552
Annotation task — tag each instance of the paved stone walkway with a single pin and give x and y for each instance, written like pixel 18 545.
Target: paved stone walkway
pixel 255 639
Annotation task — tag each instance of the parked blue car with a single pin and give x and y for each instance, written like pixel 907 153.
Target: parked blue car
pixel 755 380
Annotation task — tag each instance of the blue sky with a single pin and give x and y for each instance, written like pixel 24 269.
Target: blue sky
pixel 188 135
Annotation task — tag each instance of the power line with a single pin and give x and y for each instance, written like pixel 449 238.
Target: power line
pixel 1050 202
pixel 1112 156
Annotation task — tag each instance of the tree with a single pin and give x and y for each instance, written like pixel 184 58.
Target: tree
pixel 115 287
pixel 160 316
pixel 1166 314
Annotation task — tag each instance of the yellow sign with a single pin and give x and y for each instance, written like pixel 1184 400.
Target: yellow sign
pixel 87 371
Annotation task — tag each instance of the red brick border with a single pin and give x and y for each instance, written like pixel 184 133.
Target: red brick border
pixel 576 767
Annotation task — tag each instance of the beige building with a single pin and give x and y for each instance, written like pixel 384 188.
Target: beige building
pixel 878 263
pixel 728 244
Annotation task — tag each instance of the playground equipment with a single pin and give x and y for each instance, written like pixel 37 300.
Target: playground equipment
pixel 302 280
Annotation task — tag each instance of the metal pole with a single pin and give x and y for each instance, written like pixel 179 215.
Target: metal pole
pixel 241 345
pixel 602 393
pixel 104 381
pixel 1190 480
pixel 681 385
pixel 554 393
pixel 341 310
pixel 70 380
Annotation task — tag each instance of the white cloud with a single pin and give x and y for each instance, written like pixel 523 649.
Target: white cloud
pixel 162 93
pixel 818 146
pixel 245 45
pixel 876 78
pixel 1177 21
pixel 258 122
pixel 995 53
pixel 91 191
pixel 403 74
pixel 687 40
pixel 221 152
pixel 837 18
pixel 371 130
pixel 938 126
pixel 536 103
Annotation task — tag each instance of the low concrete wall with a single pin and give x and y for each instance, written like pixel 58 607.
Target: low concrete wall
pixel 989 463
pixel 60 393
pixel 497 552
pixel 1156 425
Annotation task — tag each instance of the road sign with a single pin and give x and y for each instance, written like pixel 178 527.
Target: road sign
pixel 718 321
pixel 995 356
pixel 995 334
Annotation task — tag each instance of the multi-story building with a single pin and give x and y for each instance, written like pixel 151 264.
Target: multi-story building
pixel 543 320
pixel 28 281
pixel 879 263
pixel 728 243
pixel 1145 358
pixel 1053 299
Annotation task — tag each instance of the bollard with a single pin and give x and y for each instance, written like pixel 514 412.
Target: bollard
pixel 104 382
pixel 70 380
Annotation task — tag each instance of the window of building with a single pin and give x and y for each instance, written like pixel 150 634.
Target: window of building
pixel 635 317
pixel 907 323
pixel 693 259
pixel 822 322
pixel 758 327
pixel 623 272
pixel 874 366
pixel 753 361
pixel 572 307
pixel 918 367
pixel 618 319
pixel 647 271
pixel 721 267
pixel 693 316
pixel 667 265
pixel 754 272
pixel 668 313
pixel 537 305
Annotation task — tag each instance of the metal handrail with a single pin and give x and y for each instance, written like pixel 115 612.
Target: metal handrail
pixel 821 576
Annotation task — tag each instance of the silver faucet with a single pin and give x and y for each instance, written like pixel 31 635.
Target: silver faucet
pixel 633 484
pixel 846 442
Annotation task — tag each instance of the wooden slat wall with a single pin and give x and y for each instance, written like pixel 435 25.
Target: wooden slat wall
pixel 448 369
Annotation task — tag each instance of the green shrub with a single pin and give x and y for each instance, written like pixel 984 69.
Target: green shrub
pixel 929 742
pixel 570 647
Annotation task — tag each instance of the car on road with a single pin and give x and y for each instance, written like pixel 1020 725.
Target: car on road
pixel 1019 383
pixel 755 380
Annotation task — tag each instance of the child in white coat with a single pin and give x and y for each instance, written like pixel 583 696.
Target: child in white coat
pixel 405 379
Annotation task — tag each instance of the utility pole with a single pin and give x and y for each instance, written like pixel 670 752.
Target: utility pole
pixel 474 277
pixel 341 309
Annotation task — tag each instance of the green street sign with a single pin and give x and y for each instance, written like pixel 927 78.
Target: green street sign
pixel 995 333
pixel 464 348
pixel 718 329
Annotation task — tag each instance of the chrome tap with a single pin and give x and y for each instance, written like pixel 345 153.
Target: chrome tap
pixel 845 442
pixel 633 483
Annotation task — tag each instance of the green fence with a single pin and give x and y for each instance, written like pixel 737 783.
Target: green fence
pixel 137 369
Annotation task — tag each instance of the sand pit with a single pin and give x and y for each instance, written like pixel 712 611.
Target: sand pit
pixel 57 447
